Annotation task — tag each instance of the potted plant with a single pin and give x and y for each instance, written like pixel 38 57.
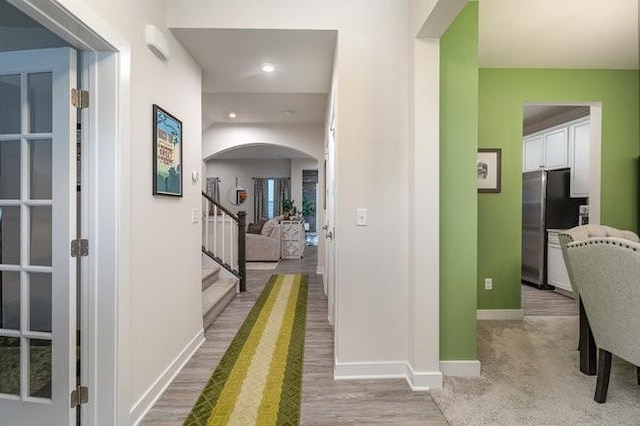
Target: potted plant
pixel 287 206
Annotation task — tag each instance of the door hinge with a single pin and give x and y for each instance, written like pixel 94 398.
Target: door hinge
pixel 79 98
pixel 79 248
pixel 80 395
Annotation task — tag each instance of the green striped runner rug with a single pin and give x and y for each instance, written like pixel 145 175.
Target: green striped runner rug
pixel 259 379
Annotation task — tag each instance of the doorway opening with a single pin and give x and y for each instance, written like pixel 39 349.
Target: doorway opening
pixel 560 190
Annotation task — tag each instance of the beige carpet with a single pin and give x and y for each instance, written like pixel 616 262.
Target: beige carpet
pixel 262 266
pixel 530 376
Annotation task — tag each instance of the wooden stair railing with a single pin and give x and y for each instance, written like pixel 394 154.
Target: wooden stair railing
pixel 224 238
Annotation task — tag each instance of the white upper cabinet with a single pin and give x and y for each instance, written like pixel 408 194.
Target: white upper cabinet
pixel 556 147
pixel 579 141
pixel 561 146
pixel 545 150
pixel 533 152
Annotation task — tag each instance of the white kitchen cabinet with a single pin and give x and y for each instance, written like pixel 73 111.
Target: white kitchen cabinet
pixel 555 149
pixel 545 150
pixel 533 152
pixel 557 275
pixel 579 155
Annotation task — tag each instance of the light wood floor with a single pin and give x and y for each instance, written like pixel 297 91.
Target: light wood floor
pixel 546 302
pixel 324 401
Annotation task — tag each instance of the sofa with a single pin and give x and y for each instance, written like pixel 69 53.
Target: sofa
pixel 265 246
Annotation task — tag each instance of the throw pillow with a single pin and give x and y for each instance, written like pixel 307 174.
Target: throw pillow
pixel 268 227
pixel 256 228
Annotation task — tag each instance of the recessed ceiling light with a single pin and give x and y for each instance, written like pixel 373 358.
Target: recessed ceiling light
pixel 288 112
pixel 232 114
pixel 268 67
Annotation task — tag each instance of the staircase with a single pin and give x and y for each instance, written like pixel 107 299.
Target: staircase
pixel 217 291
pixel 223 258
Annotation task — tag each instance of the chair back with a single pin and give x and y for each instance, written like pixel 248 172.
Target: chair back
pixel 584 232
pixel 606 273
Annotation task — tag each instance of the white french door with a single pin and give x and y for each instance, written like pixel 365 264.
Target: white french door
pixel 37 224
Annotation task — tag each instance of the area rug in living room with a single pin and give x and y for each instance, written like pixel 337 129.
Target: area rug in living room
pixel 258 380
pixel 262 266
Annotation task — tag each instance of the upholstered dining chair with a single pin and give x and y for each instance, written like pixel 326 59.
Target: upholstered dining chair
pixel 606 273
pixel 581 233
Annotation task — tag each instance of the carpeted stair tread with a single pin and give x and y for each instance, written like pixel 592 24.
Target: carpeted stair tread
pixel 208 271
pixel 216 292
pixel 210 276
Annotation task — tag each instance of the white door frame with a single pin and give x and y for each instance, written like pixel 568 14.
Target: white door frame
pixel 106 70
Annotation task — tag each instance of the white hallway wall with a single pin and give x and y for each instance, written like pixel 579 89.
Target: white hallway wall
pixel 372 170
pixel 303 137
pixel 164 252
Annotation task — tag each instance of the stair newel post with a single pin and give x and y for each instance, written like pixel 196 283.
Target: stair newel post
pixel 242 249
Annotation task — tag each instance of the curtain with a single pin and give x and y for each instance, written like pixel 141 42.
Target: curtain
pixel 260 198
pixel 281 191
pixel 213 191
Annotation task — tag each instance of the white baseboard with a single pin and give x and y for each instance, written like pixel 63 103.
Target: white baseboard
pixel 423 380
pixel 500 314
pixel 144 404
pixel 418 381
pixel 460 368
pixel 370 370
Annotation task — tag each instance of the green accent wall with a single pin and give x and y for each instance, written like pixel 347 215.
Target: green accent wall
pixel 458 194
pixel 502 93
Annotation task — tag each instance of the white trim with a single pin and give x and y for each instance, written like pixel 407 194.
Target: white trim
pixel 595 162
pixel 418 381
pixel 423 380
pixel 370 370
pixel 461 368
pixel 107 123
pixel 144 404
pixel 499 314
pixel 320 271
pixel 423 313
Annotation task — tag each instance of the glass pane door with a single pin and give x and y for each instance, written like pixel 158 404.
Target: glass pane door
pixel 36 218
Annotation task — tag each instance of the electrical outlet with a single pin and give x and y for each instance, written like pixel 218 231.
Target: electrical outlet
pixel 488 283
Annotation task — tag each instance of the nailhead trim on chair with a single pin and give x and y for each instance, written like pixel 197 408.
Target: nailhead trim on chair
pixel 596 241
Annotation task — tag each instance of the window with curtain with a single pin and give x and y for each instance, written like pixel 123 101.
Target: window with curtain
pixel 268 196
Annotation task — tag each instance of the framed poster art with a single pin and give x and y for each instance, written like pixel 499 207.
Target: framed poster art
pixel 488 166
pixel 167 153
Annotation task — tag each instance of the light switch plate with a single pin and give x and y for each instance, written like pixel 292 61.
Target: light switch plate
pixel 195 216
pixel 361 217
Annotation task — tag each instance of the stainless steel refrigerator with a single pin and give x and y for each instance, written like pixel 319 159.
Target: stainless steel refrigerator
pixel 545 205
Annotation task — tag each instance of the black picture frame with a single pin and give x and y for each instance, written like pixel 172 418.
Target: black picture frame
pixel 489 170
pixel 167 153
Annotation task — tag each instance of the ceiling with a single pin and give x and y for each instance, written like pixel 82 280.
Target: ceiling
pixel 19 32
pixel 586 34
pixel 233 79
pixel 533 114
pixel 293 108
pixel 12 17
